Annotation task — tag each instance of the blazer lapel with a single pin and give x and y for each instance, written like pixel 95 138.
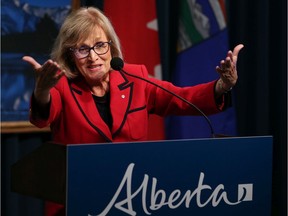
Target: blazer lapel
pixel 121 93
pixel 86 104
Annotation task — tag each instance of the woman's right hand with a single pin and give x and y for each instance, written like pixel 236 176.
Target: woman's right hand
pixel 47 75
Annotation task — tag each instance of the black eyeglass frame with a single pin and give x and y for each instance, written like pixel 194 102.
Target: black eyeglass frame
pixel 74 50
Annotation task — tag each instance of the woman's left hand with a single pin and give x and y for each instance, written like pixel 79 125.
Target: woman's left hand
pixel 227 69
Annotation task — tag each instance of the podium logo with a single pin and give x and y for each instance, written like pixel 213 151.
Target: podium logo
pixel 245 192
pixel 159 198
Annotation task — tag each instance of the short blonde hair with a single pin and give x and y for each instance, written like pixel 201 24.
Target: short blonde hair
pixel 76 27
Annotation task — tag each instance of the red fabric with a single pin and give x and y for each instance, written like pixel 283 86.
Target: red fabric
pixel 135 23
pixel 131 101
pixel 54 209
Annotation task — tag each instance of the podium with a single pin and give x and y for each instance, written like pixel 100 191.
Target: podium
pixel 223 176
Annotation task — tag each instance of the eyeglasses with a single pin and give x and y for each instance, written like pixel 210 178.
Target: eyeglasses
pixel 100 48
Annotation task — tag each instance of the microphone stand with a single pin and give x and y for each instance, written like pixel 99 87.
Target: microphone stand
pixel 119 68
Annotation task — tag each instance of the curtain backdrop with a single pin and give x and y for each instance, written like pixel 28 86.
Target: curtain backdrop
pixel 261 93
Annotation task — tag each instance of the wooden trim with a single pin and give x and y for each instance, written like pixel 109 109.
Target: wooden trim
pixel 75 4
pixel 21 127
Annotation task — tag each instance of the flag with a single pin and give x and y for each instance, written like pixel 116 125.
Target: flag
pixel 202 44
pixel 135 23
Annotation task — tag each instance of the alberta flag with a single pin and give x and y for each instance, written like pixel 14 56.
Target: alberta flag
pixel 202 44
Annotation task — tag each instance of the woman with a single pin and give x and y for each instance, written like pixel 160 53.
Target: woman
pixel 85 101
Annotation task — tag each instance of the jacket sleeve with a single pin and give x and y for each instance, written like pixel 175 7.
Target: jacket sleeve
pixel 43 116
pixel 200 96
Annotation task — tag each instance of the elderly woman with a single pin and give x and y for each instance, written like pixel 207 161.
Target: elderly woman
pixel 85 101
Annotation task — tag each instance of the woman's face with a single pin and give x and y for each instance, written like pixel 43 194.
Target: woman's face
pixel 94 67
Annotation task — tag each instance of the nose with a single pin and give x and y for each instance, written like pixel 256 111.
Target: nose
pixel 93 55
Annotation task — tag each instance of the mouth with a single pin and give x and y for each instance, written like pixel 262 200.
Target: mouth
pixel 94 67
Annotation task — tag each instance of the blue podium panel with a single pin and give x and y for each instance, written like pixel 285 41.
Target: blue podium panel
pixel 225 176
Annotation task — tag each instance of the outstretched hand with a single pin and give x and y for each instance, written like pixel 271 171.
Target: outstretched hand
pixel 228 70
pixel 47 75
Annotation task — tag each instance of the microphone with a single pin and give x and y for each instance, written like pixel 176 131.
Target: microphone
pixel 118 64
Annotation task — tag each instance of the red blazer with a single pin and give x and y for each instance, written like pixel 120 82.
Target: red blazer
pixel 74 118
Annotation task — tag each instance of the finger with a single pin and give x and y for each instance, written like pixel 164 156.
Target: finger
pixel 50 66
pixel 228 62
pixel 223 65
pixel 219 70
pixel 61 73
pixel 51 69
pixel 237 49
pixel 230 54
pixel 32 61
